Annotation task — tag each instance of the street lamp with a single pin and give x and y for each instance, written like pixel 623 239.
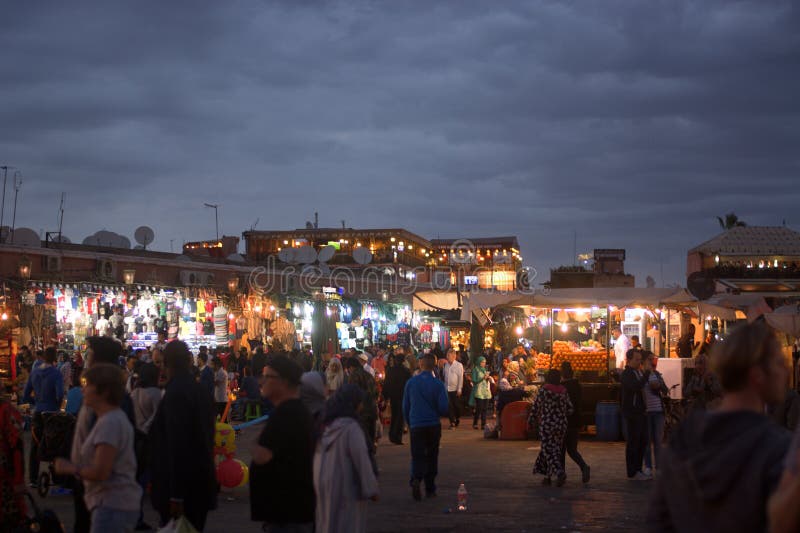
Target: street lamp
pixel 216 216
pixel 233 284
pixel 24 267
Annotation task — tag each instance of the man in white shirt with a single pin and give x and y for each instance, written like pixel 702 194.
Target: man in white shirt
pixel 220 385
pixel 454 382
pixel 621 346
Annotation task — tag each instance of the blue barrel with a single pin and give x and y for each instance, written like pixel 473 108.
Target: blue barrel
pixel 606 419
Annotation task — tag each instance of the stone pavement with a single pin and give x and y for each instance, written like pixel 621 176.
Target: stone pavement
pixel 503 494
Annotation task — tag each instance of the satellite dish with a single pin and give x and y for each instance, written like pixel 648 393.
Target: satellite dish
pixel 25 237
pixel 236 258
pixel 287 255
pixel 100 238
pixel 309 269
pixel 362 256
pixel 326 253
pixel 123 242
pixel 306 254
pixel 144 235
pixel 700 286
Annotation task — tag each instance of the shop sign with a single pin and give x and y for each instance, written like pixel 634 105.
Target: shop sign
pixel 470 280
pixel 332 293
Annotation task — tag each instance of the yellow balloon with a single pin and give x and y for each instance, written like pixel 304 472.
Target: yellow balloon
pixel 224 438
pixel 245 473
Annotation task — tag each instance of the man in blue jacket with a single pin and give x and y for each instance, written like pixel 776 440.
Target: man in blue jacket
pixel 47 384
pixel 424 403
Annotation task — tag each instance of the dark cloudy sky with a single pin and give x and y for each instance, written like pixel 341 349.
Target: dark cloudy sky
pixel 631 123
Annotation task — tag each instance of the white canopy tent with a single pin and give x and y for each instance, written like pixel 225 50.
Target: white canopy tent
pixel 785 319
pixel 571 298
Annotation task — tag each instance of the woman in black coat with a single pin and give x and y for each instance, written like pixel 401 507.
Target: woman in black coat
pixel 396 377
pixel 182 444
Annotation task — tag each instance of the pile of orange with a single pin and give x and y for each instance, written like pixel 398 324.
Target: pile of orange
pixel 581 360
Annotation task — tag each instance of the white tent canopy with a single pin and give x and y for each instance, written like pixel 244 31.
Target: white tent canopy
pixel 435 300
pixel 725 306
pixel 568 298
pixel 785 319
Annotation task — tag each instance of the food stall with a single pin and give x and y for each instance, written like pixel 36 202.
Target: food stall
pixel 579 323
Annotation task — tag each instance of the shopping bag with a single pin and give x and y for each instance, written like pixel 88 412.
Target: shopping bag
pixel 179 525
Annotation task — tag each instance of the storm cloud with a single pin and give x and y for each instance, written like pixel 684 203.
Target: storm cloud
pixel 631 124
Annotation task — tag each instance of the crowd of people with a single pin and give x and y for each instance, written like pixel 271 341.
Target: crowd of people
pixel 146 419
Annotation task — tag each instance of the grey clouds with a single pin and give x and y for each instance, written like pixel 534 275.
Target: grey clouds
pixel 631 123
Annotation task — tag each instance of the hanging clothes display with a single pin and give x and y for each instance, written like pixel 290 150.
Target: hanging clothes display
pixel 284 333
pixel 221 325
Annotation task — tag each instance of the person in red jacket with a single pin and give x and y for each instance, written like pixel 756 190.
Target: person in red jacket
pixel 12 467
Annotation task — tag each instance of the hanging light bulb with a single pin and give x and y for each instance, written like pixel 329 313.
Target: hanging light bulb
pixel 564 327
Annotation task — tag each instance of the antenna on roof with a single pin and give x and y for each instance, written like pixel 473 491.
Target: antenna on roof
pixel 254 224
pixel 61 216
pixel 316 220
pixel 343 226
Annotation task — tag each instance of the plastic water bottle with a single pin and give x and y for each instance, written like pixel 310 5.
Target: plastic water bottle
pixel 462 497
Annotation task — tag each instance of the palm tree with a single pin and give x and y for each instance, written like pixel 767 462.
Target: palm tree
pixel 730 221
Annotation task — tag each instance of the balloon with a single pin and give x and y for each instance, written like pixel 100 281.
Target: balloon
pixel 224 439
pixel 231 473
pixel 246 476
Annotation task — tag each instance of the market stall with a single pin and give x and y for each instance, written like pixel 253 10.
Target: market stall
pixel 575 325
pixel 67 313
pixel 346 323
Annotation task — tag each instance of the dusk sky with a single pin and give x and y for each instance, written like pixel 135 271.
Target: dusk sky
pixel 631 123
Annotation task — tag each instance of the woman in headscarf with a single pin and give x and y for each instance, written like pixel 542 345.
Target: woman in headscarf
pixel 334 376
pixel 550 410
pixel 343 475
pixel 481 392
pixel 12 467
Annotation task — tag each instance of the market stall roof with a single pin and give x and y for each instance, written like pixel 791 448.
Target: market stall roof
pixel 558 298
pixel 725 306
pixel 435 300
pixel 785 319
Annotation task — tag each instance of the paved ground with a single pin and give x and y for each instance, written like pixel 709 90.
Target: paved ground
pixel 503 494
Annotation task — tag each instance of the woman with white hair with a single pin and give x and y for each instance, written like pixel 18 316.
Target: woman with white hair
pixel 334 376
